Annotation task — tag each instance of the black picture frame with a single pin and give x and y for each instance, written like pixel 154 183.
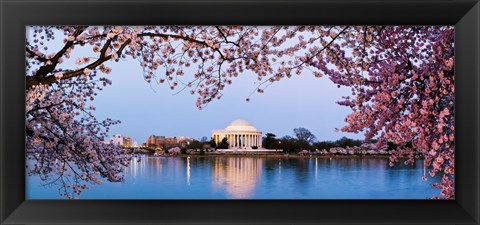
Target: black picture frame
pixel 16 14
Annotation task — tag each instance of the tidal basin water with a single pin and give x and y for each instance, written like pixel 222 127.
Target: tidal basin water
pixel 258 178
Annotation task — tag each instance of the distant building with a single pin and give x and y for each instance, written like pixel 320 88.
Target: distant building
pixel 127 142
pixel 155 141
pixel 120 140
pixel 163 142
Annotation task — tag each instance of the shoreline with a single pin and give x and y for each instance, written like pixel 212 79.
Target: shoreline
pixel 274 156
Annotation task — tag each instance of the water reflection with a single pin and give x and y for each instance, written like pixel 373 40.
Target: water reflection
pixel 238 176
pixel 188 171
pixel 259 178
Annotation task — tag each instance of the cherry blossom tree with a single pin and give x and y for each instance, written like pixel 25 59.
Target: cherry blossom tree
pixel 401 80
pixel 174 151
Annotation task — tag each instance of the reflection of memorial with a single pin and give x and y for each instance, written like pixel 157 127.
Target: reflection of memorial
pixel 238 176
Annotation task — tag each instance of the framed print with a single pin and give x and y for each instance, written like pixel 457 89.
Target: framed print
pixel 226 112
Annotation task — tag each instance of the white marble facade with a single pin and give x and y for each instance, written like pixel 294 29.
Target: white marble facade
pixel 240 135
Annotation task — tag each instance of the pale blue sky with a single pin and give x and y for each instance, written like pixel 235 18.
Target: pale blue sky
pixel 146 109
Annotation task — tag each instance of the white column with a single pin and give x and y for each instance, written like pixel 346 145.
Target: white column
pixel 253 140
pixel 260 140
pixel 244 142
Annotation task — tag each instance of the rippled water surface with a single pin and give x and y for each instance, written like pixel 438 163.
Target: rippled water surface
pixel 258 178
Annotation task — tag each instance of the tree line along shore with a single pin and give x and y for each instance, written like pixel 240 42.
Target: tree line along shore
pixel 302 144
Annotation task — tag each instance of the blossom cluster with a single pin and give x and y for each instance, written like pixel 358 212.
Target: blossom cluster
pixel 174 151
pixel 364 149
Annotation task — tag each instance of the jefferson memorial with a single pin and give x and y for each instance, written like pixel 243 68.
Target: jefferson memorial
pixel 240 135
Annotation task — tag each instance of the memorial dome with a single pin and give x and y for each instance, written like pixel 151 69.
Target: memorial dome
pixel 240 125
